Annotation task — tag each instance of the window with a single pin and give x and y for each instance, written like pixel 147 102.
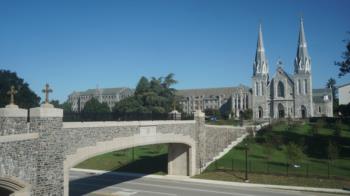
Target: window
pixel 261 88
pixel 280 89
pixel 256 89
pixel 305 86
pixel 299 86
pixel 319 109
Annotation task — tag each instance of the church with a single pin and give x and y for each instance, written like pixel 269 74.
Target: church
pixel 287 95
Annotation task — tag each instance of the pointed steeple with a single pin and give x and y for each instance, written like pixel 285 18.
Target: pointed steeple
pixel 302 62
pixel 260 63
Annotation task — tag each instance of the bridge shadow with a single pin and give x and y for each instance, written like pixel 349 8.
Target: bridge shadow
pixel 134 170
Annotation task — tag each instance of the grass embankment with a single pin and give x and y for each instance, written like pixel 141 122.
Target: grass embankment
pixel 268 161
pixel 151 159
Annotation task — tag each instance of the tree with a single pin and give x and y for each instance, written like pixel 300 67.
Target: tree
pixel 25 97
pixel 66 106
pixel 344 66
pixel 55 103
pixel 94 106
pixel 294 153
pixel 152 96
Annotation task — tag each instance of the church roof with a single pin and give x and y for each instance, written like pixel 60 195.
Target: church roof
pixel 212 91
pixel 103 91
pixel 318 95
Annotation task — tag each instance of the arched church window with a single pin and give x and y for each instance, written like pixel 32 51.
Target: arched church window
pixel 260 112
pixel 299 86
pixel 262 88
pixel 280 88
pixel 256 88
pixel 305 86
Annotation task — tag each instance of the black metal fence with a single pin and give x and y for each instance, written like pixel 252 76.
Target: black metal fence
pixel 110 116
pixel 321 169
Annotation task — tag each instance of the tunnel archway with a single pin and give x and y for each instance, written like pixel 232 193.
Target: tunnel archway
pixel 183 154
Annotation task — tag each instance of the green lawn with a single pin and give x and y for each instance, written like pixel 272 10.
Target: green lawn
pixel 315 163
pixel 147 159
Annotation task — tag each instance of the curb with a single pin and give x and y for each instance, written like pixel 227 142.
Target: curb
pixel 218 182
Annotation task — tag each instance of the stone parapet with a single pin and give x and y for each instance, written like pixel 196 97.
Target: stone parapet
pixel 13 120
pixel 13 111
pixel 46 111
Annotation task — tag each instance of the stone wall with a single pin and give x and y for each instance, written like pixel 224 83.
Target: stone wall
pixel 217 139
pixel 37 153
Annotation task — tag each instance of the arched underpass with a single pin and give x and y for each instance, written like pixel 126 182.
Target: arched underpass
pixel 180 159
pixel 143 160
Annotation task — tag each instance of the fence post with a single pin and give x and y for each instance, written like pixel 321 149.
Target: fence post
pixel 307 169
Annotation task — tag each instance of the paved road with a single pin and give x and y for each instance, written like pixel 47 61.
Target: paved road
pixel 82 183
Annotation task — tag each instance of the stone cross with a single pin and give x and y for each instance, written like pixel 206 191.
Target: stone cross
pixel 12 93
pixel 47 90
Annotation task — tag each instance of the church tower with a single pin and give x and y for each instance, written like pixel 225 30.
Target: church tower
pixel 260 81
pixel 303 105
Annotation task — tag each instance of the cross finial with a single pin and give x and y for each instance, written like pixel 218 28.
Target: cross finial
pixel 12 93
pixel 47 90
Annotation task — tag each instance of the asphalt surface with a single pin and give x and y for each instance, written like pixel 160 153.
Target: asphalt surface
pixel 83 183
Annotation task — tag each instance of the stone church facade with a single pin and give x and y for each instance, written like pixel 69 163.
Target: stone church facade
pixel 286 95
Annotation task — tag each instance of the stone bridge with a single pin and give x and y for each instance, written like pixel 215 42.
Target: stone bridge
pixel 36 156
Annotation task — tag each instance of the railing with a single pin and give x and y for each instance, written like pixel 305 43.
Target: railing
pixel 315 168
pixel 110 116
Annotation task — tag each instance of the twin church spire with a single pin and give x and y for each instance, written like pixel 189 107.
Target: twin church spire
pixel 302 63
pixel 260 63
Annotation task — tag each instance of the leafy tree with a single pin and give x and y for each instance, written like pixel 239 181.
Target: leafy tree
pixel 212 112
pixel 66 106
pixel 142 86
pixel 94 106
pixel 248 114
pixel 55 103
pixel 344 110
pixel 294 153
pixel 25 97
pixel 152 96
pixel 332 151
pixel 344 66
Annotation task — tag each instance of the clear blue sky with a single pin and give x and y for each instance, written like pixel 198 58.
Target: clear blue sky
pixel 76 45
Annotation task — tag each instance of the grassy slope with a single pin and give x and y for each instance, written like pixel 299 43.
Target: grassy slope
pixel 147 159
pixel 314 164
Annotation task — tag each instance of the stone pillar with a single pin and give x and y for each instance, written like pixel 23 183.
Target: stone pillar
pixel 178 159
pixel 13 120
pixel 200 137
pixel 47 121
pixel 17 152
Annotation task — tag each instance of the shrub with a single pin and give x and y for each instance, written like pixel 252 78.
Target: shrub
pixel 332 151
pixel 294 153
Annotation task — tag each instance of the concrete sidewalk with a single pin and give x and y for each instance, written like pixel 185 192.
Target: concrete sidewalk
pixel 237 184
